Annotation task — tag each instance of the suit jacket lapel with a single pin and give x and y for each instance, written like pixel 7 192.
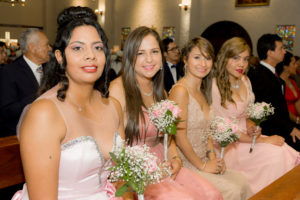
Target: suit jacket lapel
pixel 168 74
pixel 28 72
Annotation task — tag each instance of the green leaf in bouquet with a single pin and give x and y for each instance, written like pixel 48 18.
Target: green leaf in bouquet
pixel 111 169
pixel 114 158
pixel 171 129
pixel 169 113
pixel 234 137
pixel 121 190
pixel 224 143
pixel 122 155
pixel 133 185
pixel 256 121
pixel 178 120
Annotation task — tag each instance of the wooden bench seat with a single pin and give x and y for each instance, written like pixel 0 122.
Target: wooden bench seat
pixel 287 187
pixel 11 171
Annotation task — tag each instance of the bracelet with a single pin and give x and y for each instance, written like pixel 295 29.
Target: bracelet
pixel 209 151
pixel 204 165
pixel 297 120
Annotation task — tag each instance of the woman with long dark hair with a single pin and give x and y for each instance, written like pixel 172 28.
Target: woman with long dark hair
pixel 64 145
pixel 140 86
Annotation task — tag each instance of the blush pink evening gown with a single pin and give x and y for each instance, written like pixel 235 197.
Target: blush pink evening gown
pixel 267 162
pixel 82 167
pixel 231 184
pixel 187 185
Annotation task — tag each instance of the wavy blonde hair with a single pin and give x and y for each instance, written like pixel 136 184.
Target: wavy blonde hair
pixel 231 48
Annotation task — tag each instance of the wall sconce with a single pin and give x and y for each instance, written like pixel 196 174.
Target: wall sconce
pixel 99 11
pixel 185 4
pixel 14 2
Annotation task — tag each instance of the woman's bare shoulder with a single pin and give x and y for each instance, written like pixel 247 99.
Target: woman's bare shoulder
pixel 42 118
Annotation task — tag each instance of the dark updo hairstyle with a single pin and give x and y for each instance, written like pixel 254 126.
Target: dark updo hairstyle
pixel 55 73
pixel 286 62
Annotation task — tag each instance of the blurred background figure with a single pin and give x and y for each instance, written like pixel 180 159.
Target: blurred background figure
pixel 287 69
pixel 297 76
pixel 3 54
pixel 20 80
pixel 173 67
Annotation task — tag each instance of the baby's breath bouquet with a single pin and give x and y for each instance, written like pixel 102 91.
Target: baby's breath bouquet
pixel 164 115
pixel 258 112
pixel 224 131
pixel 137 167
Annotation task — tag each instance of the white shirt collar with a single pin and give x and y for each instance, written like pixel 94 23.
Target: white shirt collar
pixel 271 68
pixel 31 64
pixel 33 68
pixel 169 64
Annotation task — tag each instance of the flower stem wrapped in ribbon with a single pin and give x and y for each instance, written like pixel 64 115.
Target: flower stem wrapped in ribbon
pixel 164 115
pixel 258 112
pixel 225 132
pixel 137 167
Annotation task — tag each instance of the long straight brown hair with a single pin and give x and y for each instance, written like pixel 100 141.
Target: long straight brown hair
pixel 133 97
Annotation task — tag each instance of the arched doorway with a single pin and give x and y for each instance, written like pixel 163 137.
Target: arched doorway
pixel 219 32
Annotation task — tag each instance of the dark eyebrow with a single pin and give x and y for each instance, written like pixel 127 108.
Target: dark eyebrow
pixel 96 42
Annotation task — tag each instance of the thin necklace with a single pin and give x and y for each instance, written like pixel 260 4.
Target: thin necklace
pixel 148 94
pixel 237 85
pixel 79 107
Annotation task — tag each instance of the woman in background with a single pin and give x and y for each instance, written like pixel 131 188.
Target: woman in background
pixel 64 145
pixel 287 69
pixel 140 85
pixel 232 93
pixel 193 95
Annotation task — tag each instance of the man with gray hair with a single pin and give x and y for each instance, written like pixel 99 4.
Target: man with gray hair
pixel 20 80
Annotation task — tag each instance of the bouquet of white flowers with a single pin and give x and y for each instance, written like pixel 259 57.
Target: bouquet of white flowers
pixel 137 167
pixel 259 112
pixel 225 132
pixel 164 115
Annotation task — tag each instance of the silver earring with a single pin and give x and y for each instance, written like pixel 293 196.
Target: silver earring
pixel 161 68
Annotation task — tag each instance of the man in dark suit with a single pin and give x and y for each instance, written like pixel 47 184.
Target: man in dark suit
pixel 268 87
pixel 173 68
pixel 20 80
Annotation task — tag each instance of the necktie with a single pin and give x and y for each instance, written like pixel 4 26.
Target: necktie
pixel 282 85
pixel 39 69
pixel 173 66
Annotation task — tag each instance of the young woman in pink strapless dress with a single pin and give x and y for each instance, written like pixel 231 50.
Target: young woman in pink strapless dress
pixel 140 85
pixel 67 133
pixel 232 93
pixel 192 95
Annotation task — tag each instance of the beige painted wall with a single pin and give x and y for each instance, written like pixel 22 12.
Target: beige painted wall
pixel 158 13
pixel 41 13
pixel 152 13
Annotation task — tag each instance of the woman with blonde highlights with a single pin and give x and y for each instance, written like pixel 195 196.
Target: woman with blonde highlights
pixel 232 93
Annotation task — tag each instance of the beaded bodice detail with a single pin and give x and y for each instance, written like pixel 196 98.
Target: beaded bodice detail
pixel 197 129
